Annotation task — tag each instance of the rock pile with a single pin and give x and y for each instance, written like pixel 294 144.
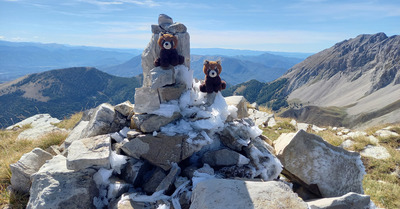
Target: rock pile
pixel 177 147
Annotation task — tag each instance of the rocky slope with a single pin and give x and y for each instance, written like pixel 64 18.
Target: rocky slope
pixel 62 92
pixel 360 75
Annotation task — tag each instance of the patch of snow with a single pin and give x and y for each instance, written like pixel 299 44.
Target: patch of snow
pixel 268 169
pixel 232 111
pixel 156 196
pixel 184 75
pixel 167 109
pixel 155 133
pixel 101 177
pixel 117 161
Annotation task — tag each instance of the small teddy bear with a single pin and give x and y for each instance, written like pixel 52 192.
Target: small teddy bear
pixel 213 82
pixel 168 54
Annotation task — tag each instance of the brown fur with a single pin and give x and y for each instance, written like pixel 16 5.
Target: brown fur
pixel 167 37
pixel 210 84
pixel 212 65
pixel 168 57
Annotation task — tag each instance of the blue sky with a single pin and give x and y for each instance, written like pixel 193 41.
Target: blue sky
pixel 267 25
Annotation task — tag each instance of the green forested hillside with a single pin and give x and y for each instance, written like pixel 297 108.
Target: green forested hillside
pixel 62 92
pixel 271 94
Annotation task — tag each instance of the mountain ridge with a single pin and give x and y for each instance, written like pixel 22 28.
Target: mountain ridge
pixel 62 92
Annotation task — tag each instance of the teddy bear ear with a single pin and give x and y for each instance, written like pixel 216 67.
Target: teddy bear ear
pixel 218 62
pixel 205 62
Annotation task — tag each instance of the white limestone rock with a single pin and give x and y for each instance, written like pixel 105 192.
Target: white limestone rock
pixel 161 77
pixel 28 164
pixel 101 122
pixel 302 126
pixel 350 200
pixel 146 100
pixel 377 152
pixel 385 133
pixel 75 134
pixel 347 144
pixel 55 186
pixel 89 152
pixel 240 103
pixel 237 194
pixel 125 108
pixel 41 124
pixel 259 117
pixel 307 156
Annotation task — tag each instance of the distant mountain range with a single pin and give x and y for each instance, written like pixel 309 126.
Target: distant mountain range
pixel 237 69
pixel 19 59
pixel 62 92
pixel 354 83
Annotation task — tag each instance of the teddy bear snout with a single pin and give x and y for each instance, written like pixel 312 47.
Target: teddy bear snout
pixel 212 73
pixel 167 45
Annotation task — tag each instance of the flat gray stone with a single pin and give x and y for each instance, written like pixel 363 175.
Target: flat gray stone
pixel 161 77
pixel 76 133
pixel 146 100
pixel 169 180
pixel 150 186
pixel 334 170
pixel 28 164
pixel 55 186
pixel 224 157
pixel 88 152
pixel 349 201
pixel 160 150
pixel 237 194
pixel 173 92
pixel 148 123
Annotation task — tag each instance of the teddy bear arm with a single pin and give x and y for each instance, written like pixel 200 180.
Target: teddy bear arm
pixel 223 84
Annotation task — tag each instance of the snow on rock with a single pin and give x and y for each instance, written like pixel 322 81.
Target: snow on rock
pixel 334 170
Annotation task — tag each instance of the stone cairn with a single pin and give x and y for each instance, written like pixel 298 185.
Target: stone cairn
pixel 177 147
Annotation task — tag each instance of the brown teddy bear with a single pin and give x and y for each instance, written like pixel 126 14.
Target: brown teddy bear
pixel 213 82
pixel 168 54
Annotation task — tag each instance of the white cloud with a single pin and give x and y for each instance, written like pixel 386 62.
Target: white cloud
pixel 291 40
pixel 2 37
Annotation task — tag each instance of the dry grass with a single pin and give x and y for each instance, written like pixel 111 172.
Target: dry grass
pixel 69 123
pixel 330 136
pixel 281 127
pixel 11 150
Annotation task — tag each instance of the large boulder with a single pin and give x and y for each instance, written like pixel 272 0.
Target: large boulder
pixel 89 152
pixel 237 194
pixel 334 170
pixel 23 169
pixel 160 150
pixel 55 186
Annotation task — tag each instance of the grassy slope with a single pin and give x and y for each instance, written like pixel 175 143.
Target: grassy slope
pixel 11 150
